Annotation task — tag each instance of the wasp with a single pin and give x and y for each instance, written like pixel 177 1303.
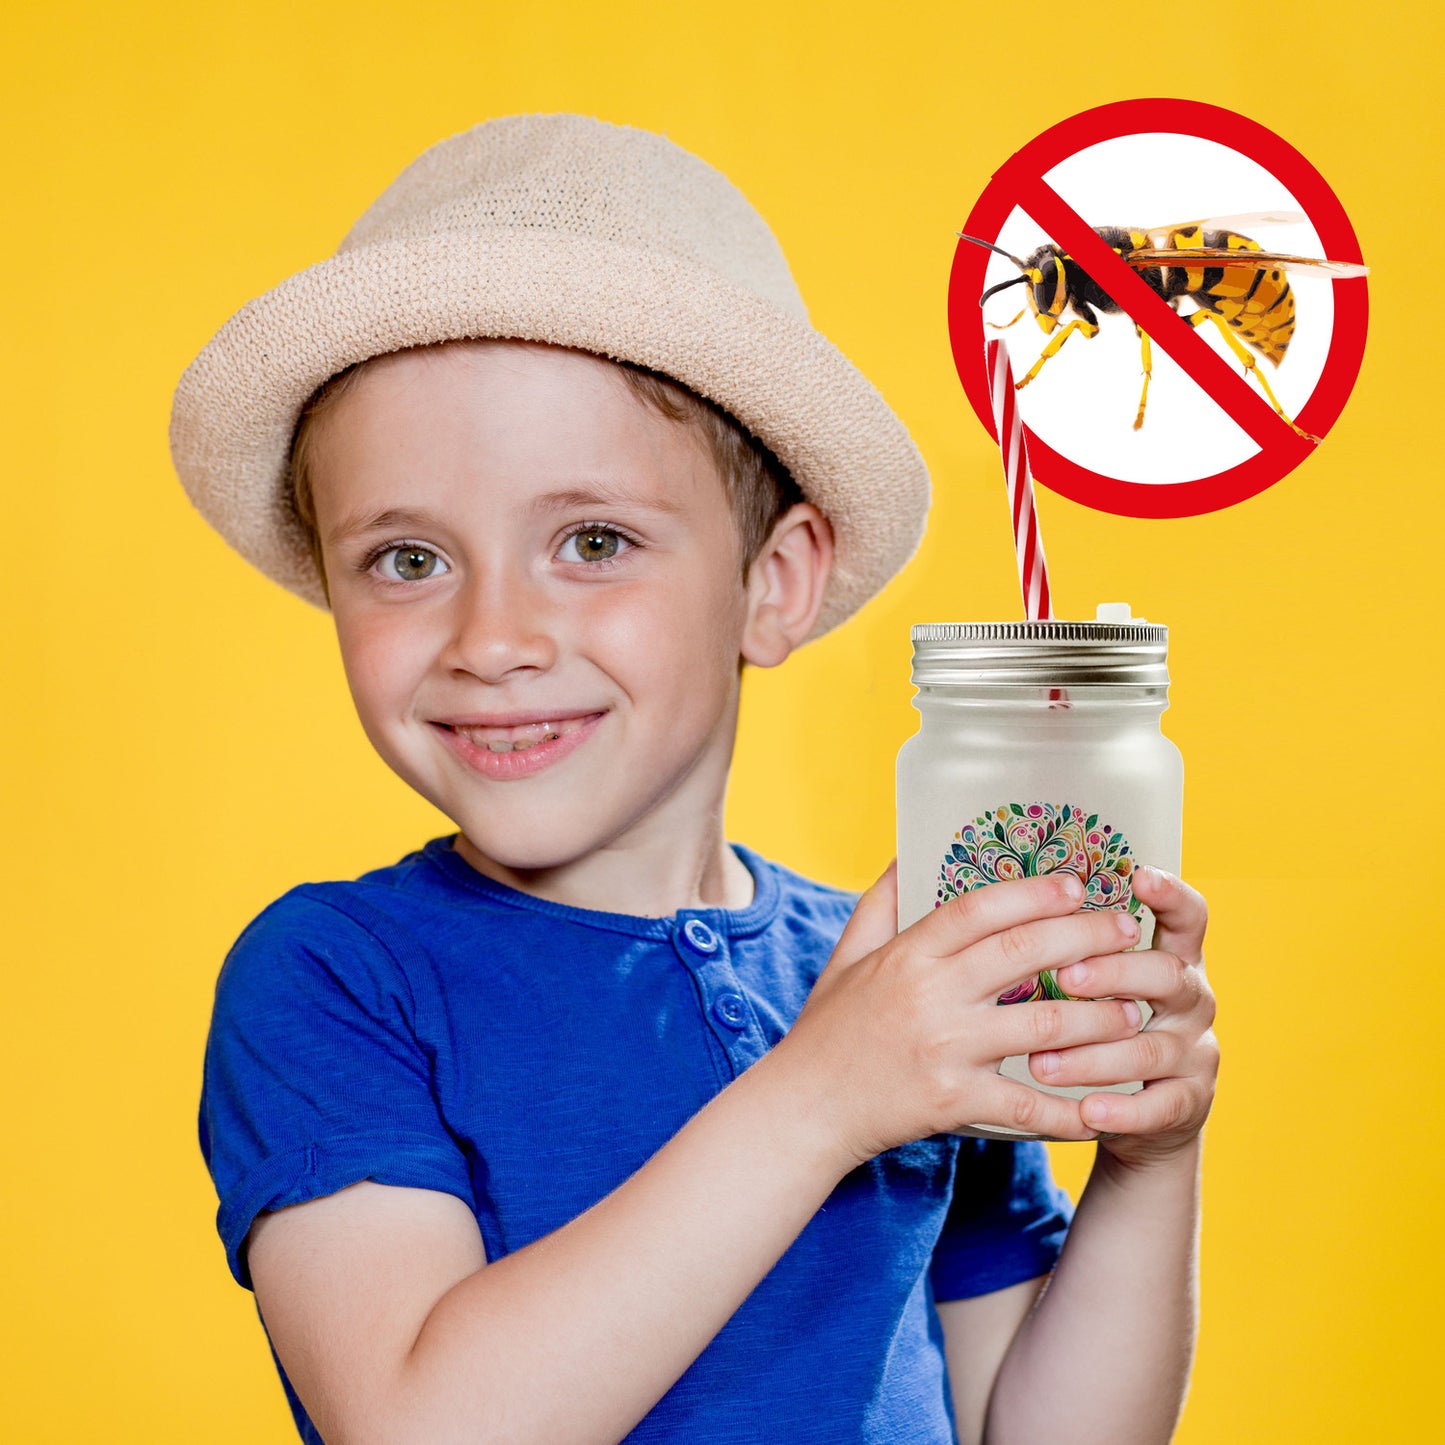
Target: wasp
pixel 1232 280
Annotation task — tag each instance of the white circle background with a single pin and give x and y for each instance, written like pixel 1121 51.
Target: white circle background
pixel 1083 402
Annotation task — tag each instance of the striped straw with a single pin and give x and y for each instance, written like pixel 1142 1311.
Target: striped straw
pixel 1033 570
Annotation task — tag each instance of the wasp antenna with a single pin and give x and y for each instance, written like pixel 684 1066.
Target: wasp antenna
pixel 989 245
pixel 1002 286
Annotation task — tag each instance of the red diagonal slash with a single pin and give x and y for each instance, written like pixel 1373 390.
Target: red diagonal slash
pixel 1219 379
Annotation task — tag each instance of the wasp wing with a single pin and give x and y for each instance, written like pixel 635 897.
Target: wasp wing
pixel 1254 260
pixel 1160 235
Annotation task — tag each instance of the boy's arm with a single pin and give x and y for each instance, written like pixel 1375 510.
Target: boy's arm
pixel 392 1329
pixel 976 1336
pixel 1105 1354
pixel 1101 1350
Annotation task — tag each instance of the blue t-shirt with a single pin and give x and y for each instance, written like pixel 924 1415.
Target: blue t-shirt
pixel 425 1026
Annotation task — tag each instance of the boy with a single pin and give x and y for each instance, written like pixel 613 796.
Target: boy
pixel 561 1130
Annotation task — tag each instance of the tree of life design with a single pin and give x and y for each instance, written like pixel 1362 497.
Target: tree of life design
pixel 1027 840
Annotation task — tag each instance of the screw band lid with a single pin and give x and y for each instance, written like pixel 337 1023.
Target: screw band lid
pixel 1041 654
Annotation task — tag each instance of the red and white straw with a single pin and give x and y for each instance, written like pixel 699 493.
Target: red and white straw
pixel 1033 570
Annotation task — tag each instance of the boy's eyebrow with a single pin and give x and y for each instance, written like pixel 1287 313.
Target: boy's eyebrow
pixel 393 519
pixel 603 494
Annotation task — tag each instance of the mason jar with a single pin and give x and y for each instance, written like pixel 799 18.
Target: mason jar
pixel 1039 749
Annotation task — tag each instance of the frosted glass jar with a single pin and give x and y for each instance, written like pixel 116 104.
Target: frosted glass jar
pixel 1039 749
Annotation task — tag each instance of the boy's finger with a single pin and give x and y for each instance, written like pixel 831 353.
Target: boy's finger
pixel 1154 1054
pixel 1167 1106
pixel 874 921
pixel 1041 1027
pixel 963 921
pixel 1163 979
pixel 1015 953
pixel 1180 913
pixel 1004 1103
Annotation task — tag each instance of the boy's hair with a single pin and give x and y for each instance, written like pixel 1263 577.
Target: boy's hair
pixel 758 485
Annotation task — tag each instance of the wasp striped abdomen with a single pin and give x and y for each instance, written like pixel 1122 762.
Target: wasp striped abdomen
pixel 1256 303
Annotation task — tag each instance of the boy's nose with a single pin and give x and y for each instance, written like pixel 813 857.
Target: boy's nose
pixel 502 625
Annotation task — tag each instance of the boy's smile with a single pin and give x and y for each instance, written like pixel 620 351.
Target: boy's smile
pixel 500 748
pixel 538 589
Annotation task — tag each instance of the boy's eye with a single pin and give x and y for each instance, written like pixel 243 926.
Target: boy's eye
pixel 410 563
pixel 593 544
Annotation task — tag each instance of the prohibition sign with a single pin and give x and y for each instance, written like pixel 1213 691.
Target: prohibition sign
pixel 1020 182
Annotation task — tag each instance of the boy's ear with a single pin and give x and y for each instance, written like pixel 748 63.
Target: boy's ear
pixel 785 585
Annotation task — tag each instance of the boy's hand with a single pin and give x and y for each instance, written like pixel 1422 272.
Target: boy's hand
pixel 1176 1055
pixel 902 1034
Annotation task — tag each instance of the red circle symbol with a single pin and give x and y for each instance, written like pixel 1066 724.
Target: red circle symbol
pixel 1021 183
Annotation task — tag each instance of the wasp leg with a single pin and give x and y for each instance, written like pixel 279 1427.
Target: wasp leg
pixel 1005 326
pixel 1198 318
pixel 1146 356
pixel 1090 330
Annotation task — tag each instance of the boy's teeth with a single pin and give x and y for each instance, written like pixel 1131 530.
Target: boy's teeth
pixel 519 739
pixel 520 745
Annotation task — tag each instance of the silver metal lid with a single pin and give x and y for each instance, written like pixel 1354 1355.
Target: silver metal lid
pixel 1041 654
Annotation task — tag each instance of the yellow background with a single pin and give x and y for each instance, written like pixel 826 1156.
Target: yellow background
pixel 180 748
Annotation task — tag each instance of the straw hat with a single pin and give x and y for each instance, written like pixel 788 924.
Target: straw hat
pixel 561 229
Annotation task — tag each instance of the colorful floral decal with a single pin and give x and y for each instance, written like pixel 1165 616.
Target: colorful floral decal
pixel 1027 840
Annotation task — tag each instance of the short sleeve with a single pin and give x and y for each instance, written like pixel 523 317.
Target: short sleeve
pixel 314 1074
pixel 1006 1221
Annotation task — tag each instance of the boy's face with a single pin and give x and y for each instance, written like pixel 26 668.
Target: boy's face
pixel 537 587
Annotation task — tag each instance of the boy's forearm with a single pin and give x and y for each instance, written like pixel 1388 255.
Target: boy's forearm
pixel 579 1334
pixel 1105 1356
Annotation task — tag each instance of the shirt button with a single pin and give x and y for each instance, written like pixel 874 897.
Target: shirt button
pixel 728 1008
pixel 699 935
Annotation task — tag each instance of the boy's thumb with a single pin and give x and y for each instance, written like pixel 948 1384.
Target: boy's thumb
pixel 874 921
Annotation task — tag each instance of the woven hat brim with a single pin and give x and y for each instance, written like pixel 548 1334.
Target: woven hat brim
pixel 236 407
